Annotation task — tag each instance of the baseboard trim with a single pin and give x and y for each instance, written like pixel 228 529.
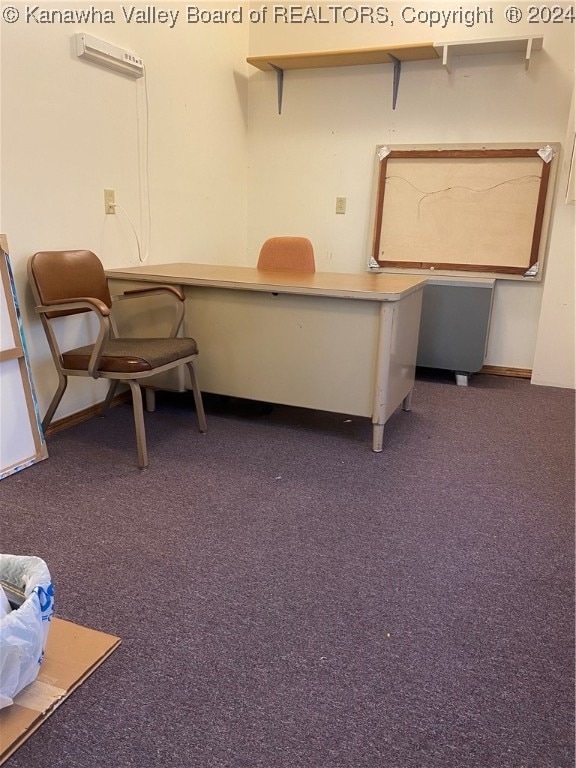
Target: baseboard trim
pixel 499 370
pixel 84 415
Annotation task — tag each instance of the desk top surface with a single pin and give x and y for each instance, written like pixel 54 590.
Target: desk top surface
pixel 367 286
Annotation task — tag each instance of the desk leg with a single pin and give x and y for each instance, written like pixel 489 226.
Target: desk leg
pixel 377 437
pixel 385 327
pixel 378 429
pixel 150 396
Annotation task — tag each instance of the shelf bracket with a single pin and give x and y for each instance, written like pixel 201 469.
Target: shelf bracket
pixel 279 85
pixel 528 53
pixel 446 58
pixel 397 71
pixel 476 47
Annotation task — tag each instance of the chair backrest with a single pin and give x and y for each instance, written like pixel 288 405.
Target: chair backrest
pixel 290 254
pixel 56 275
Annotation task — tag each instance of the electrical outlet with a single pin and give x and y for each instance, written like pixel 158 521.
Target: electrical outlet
pixel 109 201
pixel 340 205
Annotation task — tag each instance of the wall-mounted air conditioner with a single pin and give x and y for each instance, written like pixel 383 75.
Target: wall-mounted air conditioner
pixel 107 55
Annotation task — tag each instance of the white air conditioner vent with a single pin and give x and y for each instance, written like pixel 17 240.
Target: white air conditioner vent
pixel 108 55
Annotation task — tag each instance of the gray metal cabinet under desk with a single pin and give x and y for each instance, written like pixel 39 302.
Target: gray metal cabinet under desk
pixel 454 325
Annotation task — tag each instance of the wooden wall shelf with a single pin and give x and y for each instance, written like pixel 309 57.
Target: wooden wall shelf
pixel 348 58
pixel 395 54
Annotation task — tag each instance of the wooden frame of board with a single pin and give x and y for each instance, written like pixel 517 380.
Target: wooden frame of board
pixel 22 441
pixel 481 210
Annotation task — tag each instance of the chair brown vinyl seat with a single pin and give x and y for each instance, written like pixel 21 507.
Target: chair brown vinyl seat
pixel 131 355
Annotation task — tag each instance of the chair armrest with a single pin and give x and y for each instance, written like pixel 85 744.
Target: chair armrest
pixel 134 292
pixel 69 305
pixel 102 312
pixel 171 290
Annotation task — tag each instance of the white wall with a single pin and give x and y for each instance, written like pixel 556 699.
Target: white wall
pixel 322 146
pixel 225 171
pixel 554 362
pixel 70 129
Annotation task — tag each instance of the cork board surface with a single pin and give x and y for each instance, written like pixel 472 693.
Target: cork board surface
pixel 480 211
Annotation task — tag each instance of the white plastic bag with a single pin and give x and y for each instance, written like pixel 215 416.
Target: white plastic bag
pixel 5 607
pixel 24 631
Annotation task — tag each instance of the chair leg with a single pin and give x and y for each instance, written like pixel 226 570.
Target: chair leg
pixel 139 424
pixel 49 415
pixel 109 396
pixel 197 397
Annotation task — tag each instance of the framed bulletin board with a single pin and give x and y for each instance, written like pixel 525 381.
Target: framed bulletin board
pixel 481 210
pixel 21 440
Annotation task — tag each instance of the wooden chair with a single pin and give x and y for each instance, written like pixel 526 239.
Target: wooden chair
pixel 287 254
pixel 73 282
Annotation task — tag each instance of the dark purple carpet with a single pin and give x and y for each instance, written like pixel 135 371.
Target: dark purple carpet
pixel 288 599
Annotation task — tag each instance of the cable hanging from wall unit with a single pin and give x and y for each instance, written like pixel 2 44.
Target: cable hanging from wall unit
pixel 142 240
pixel 133 228
pixel 143 123
pixel 119 60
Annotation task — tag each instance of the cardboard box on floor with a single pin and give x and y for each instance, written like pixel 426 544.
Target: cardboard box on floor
pixel 72 654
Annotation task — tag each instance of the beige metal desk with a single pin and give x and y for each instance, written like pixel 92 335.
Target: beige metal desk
pixel 344 343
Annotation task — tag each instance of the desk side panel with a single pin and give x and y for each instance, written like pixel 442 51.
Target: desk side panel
pixel 403 351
